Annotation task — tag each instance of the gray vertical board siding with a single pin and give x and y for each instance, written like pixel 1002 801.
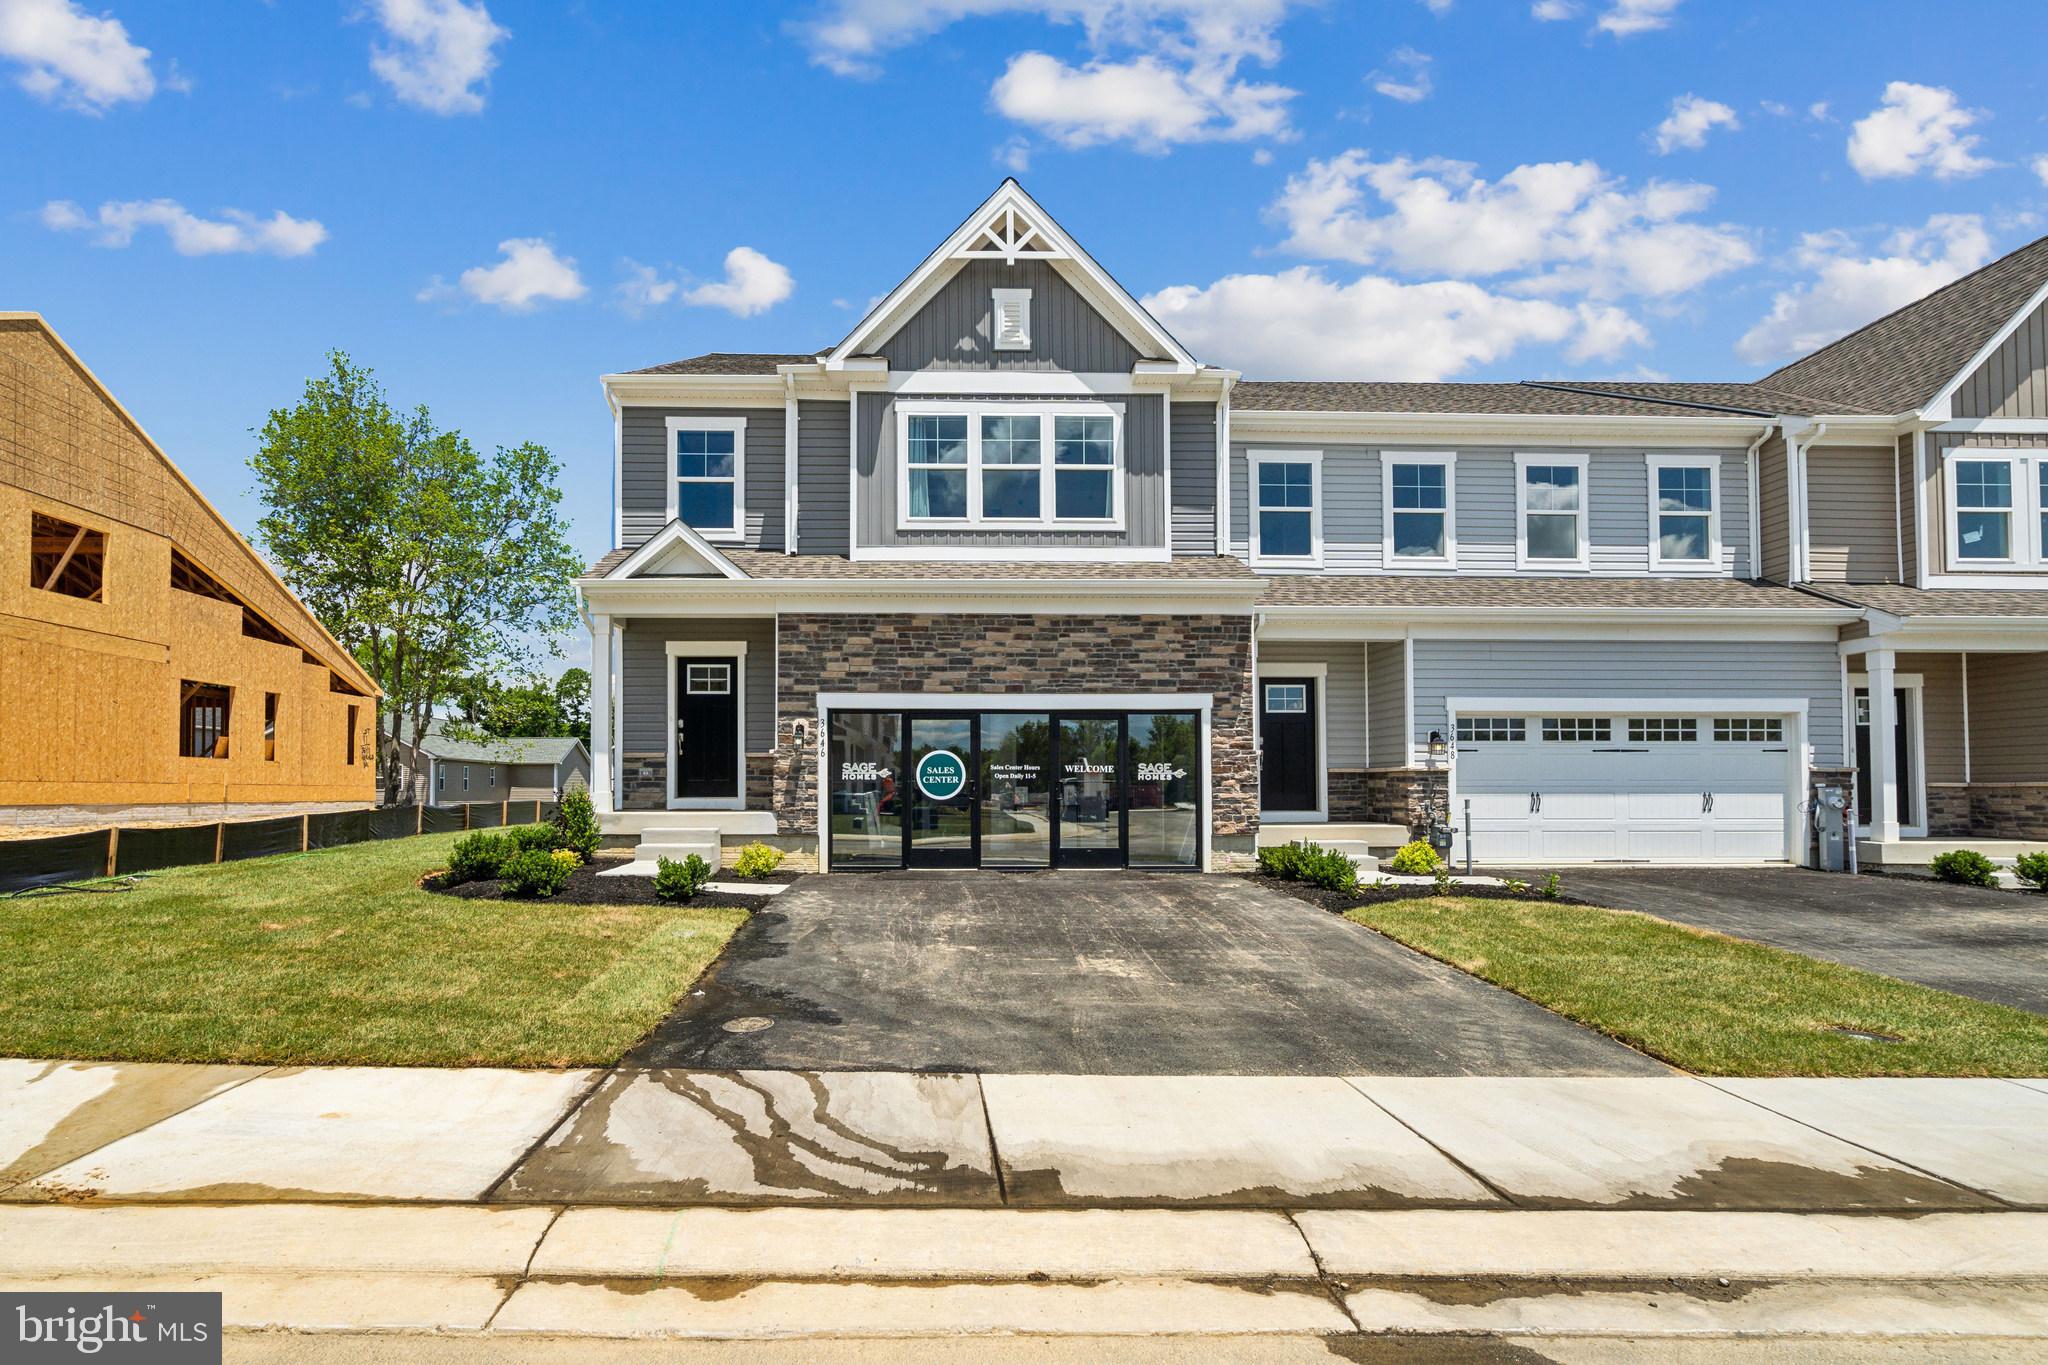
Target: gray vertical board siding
pixel 1939 446
pixel 1740 672
pixel 645 465
pixel 1941 708
pixel 824 475
pixel 1144 489
pixel 1343 699
pixel 1851 501
pixel 1386 698
pixel 2013 380
pixel 1774 511
pixel 1485 503
pixel 643 677
pixel 1909 529
pixel 1194 478
pixel 953 330
pixel 2008 743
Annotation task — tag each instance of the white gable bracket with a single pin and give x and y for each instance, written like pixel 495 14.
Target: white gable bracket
pixel 675 536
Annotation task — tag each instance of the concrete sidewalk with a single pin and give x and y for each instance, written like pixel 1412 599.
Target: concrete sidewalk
pixel 73 1132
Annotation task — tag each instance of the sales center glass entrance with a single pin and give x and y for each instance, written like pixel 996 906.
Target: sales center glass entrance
pixel 1014 789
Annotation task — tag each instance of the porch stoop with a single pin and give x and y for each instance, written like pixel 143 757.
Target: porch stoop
pixel 1358 840
pixel 678 844
pixel 1909 857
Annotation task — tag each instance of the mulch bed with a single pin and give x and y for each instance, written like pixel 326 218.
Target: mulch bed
pixel 1337 902
pixel 587 888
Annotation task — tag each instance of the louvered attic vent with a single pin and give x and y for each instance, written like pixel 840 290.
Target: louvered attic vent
pixel 1013 319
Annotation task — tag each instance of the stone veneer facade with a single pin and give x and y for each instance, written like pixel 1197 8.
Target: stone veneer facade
pixel 1082 656
pixel 1987 810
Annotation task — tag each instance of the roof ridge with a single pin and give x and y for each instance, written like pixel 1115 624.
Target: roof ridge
pixel 1640 398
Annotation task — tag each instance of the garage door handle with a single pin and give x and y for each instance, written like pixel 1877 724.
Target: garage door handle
pixel 1535 803
pixel 1706 803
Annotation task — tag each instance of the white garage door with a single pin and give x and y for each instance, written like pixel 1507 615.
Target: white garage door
pixel 1648 788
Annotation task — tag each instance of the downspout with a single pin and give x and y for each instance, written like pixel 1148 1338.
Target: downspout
pixel 789 463
pixel 1802 540
pixel 1898 514
pixel 1756 515
pixel 1223 471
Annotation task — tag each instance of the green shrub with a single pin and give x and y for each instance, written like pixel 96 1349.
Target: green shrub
pixel 577 820
pixel 757 860
pixel 1444 883
pixel 1281 860
pixel 536 872
pixel 479 856
pixel 1416 859
pixel 545 837
pixel 1311 863
pixel 1553 886
pixel 2032 868
pixel 679 881
pixel 1964 866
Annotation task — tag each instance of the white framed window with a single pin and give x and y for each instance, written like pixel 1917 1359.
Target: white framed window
pixel 1011 311
pixel 1287 507
pixel 1492 729
pixel 1550 530
pixel 1998 509
pixel 1577 729
pixel 1009 465
pixel 1662 730
pixel 1419 491
pixel 707 484
pixel 707 680
pixel 1286 699
pixel 1685 514
pixel 1748 730
pixel 465 777
pixel 493 770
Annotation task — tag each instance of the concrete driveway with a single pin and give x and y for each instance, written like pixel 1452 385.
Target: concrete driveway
pixel 1989 944
pixel 1099 974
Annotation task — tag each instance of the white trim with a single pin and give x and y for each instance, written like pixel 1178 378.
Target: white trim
pixel 1320 673
pixel 603 758
pixel 1223 472
pixel 1408 701
pixel 791 420
pixel 618 470
pixel 1021 383
pixel 1449 460
pixel 999 301
pixel 1941 407
pixel 1047 468
pixel 1898 516
pixel 1921 548
pixel 678 422
pixel 673 650
pixel 1964 655
pixel 1003 554
pixel 1914 685
pixel 1377 428
pixel 1713 564
pixel 1582 536
pixel 1752 463
pixel 1314 460
pixel 669 536
pixel 1998 426
pixel 2028 555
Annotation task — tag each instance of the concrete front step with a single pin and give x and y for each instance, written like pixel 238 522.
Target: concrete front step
pixel 679 843
pixel 1351 836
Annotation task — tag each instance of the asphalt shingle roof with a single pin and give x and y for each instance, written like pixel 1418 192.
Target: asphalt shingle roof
pixel 768 564
pixel 1758 400
pixel 729 362
pixel 1897 599
pixel 522 749
pixel 1452 591
pixel 1504 399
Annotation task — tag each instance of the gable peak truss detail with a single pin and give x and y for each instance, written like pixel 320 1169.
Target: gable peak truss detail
pixel 1009 235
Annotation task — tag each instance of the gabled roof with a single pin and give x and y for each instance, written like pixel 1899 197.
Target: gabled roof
pixel 511 749
pixel 1907 357
pixel 659 555
pixel 731 362
pixel 1511 399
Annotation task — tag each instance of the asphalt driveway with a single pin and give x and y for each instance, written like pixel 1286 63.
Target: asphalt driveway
pixel 1989 944
pixel 1099 974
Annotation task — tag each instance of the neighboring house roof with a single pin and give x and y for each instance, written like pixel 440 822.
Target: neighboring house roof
pixel 1906 357
pixel 1400 590
pixel 548 749
pixel 1896 599
pixel 729 362
pixel 1511 399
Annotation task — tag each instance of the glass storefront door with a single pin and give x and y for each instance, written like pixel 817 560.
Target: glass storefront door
pixel 1015 792
pixel 1165 761
pixel 1091 792
pixel 866 805
pixel 939 770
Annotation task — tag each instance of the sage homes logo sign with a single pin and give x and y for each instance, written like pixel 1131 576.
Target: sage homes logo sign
pixel 941 775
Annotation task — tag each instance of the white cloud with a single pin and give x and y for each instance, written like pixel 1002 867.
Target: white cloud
pixel 1818 111
pixel 1690 120
pixel 1410 81
pixel 1555 227
pixel 2040 164
pixel 1554 11
pixel 1624 18
pixel 1300 324
pixel 1605 332
pixel 1848 290
pixel 117 221
pixel 441 53
pixel 72 58
pixel 1917 128
pixel 644 289
pixel 1145 102
pixel 1015 155
pixel 752 284
pixel 530 274
pixel 1439 6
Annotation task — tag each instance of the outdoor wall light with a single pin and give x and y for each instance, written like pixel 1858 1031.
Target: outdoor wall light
pixel 1437 748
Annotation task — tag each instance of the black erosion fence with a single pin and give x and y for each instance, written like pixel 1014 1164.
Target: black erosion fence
pixel 63 858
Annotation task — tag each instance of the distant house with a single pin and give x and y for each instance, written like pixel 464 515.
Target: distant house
pixel 152 658
pixel 445 771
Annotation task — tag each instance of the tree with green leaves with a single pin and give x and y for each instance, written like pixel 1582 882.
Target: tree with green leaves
pixel 429 560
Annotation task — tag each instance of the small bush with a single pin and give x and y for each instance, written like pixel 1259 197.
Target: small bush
pixel 545 837
pixel 577 821
pixel 1515 886
pixel 757 860
pixel 1416 859
pixel 1553 886
pixel 1311 863
pixel 478 857
pixel 1281 860
pixel 1965 867
pixel 1444 885
pixel 680 881
pixel 535 873
pixel 2032 868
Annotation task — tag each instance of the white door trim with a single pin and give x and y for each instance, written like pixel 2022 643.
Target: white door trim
pixel 700 649
pixel 1914 685
pixel 1321 673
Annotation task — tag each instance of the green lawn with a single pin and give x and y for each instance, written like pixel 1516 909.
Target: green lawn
pixel 1715 1005
pixel 337 957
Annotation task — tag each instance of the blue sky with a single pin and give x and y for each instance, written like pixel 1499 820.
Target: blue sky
pixel 204 198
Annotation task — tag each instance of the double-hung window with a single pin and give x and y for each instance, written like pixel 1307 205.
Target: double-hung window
pixel 707 479
pixel 1419 493
pixel 1982 496
pixel 1010 465
pixel 1553 511
pixel 1685 514
pixel 1287 507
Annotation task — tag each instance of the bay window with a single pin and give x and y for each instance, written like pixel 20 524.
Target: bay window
pixel 1552 507
pixel 1009 465
pixel 1287 507
pixel 1685 514
pixel 707 474
pixel 1419 492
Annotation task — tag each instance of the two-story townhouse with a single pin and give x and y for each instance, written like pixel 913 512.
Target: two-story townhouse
pixel 1008 578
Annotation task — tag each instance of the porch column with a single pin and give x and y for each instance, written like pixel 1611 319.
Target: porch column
pixel 601 713
pixel 1881 665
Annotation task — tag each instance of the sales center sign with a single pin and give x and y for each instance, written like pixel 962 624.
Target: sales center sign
pixel 941 775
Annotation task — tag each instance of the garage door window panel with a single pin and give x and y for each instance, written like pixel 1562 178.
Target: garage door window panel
pixel 1748 730
pixel 1492 730
pixel 1663 730
pixel 1553 511
pixel 1577 730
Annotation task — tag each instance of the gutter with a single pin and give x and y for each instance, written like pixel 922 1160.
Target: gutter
pixel 1756 511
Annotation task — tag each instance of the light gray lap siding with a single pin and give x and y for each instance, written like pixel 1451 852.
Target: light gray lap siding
pixel 1194 478
pixel 643 677
pixel 1484 509
pixel 1738 672
pixel 644 467
pixel 1386 696
pixel 824 475
pixel 1144 489
pixel 1343 699
pixel 953 330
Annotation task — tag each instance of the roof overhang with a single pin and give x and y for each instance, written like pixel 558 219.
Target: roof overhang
pixel 1367 427
pixel 1037 597
pixel 1941 407
pixel 1305 621
pixel 1953 634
